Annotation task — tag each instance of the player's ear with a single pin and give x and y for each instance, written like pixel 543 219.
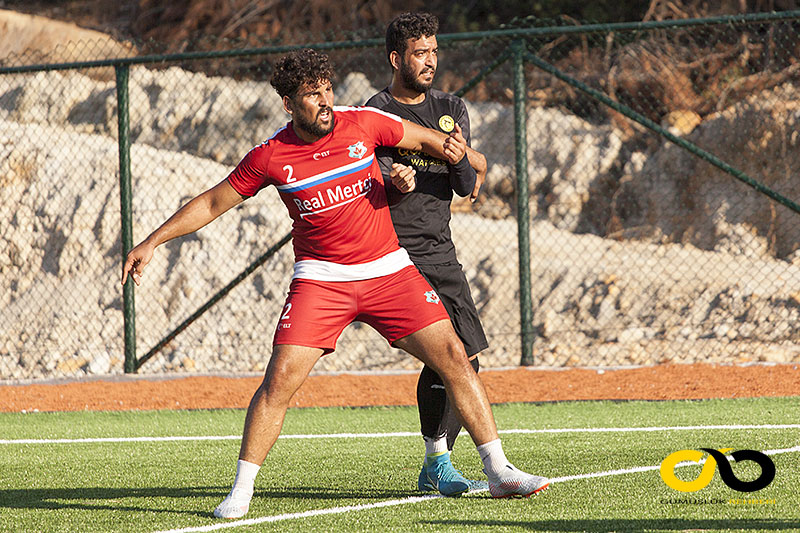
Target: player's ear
pixel 288 104
pixel 394 59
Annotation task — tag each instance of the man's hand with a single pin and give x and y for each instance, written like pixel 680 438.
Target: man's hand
pixel 455 146
pixel 478 182
pixel 403 177
pixel 191 217
pixel 136 261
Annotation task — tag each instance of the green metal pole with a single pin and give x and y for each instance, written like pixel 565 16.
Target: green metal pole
pixel 214 299
pixel 730 20
pixel 523 216
pixel 496 62
pixel 128 307
pixel 646 122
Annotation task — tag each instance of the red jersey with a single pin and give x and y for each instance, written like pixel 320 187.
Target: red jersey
pixel 334 192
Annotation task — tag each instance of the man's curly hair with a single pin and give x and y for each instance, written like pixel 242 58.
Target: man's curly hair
pixel 409 26
pixel 297 68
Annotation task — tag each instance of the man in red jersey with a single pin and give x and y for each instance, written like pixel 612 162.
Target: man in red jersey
pixel 348 263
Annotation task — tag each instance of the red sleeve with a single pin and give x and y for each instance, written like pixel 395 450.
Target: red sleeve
pixel 385 128
pixel 250 175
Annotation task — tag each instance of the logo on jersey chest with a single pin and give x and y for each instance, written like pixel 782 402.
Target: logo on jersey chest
pixel 420 160
pixel 447 123
pixel 357 150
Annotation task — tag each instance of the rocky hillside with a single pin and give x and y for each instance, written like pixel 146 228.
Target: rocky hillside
pixel 733 294
pixel 641 252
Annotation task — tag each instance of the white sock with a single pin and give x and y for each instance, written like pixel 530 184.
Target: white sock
pixel 493 457
pixel 245 476
pixel 434 447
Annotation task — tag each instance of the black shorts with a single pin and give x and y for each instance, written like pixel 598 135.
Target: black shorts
pixel 449 282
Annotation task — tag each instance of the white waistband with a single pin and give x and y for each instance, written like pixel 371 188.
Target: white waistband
pixel 327 271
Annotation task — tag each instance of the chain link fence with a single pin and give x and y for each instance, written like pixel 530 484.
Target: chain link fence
pixel 640 246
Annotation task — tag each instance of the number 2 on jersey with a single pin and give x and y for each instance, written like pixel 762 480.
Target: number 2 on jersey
pixel 285 315
pixel 290 170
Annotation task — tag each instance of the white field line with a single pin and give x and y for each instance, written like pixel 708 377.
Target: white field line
pixel 304 514
pixel 648 468
pixel 415 499
pixel 397 434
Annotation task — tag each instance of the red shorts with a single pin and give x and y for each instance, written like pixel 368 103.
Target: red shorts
pixel 397 305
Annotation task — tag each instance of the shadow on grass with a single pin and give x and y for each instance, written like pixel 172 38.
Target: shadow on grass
pixel 613 525
pixel 104 498
pixel 125 499
pixel 333 493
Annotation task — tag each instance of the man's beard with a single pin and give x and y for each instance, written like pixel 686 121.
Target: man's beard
pixel 412 81
pixel 313 127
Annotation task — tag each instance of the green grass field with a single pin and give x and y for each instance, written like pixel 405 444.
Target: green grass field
pixel 356 469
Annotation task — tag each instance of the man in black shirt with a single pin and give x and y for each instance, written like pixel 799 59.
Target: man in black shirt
pixel 420 189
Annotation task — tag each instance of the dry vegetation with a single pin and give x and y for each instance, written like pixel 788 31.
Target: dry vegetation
pixel 702 71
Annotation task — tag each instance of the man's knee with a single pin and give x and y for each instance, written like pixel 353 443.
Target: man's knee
pixel 287 369
pixel 273 390
pixel 451 345
pixel 452 357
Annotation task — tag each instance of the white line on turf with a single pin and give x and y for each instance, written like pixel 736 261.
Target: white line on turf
pixel 647 468
pixel 304 514
pixel 414 499
pixel 656 428
pixel 397 434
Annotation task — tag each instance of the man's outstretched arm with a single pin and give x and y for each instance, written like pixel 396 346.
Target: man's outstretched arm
pixel 201 210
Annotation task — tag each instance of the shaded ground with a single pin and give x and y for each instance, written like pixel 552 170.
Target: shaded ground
pixel 663 382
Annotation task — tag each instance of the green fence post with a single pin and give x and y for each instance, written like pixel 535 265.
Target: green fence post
pixel 671 137
pixel 128 307
pixel 523 215
pixel 214 299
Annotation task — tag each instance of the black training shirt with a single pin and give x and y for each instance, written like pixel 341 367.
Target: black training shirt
pixel 422 217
